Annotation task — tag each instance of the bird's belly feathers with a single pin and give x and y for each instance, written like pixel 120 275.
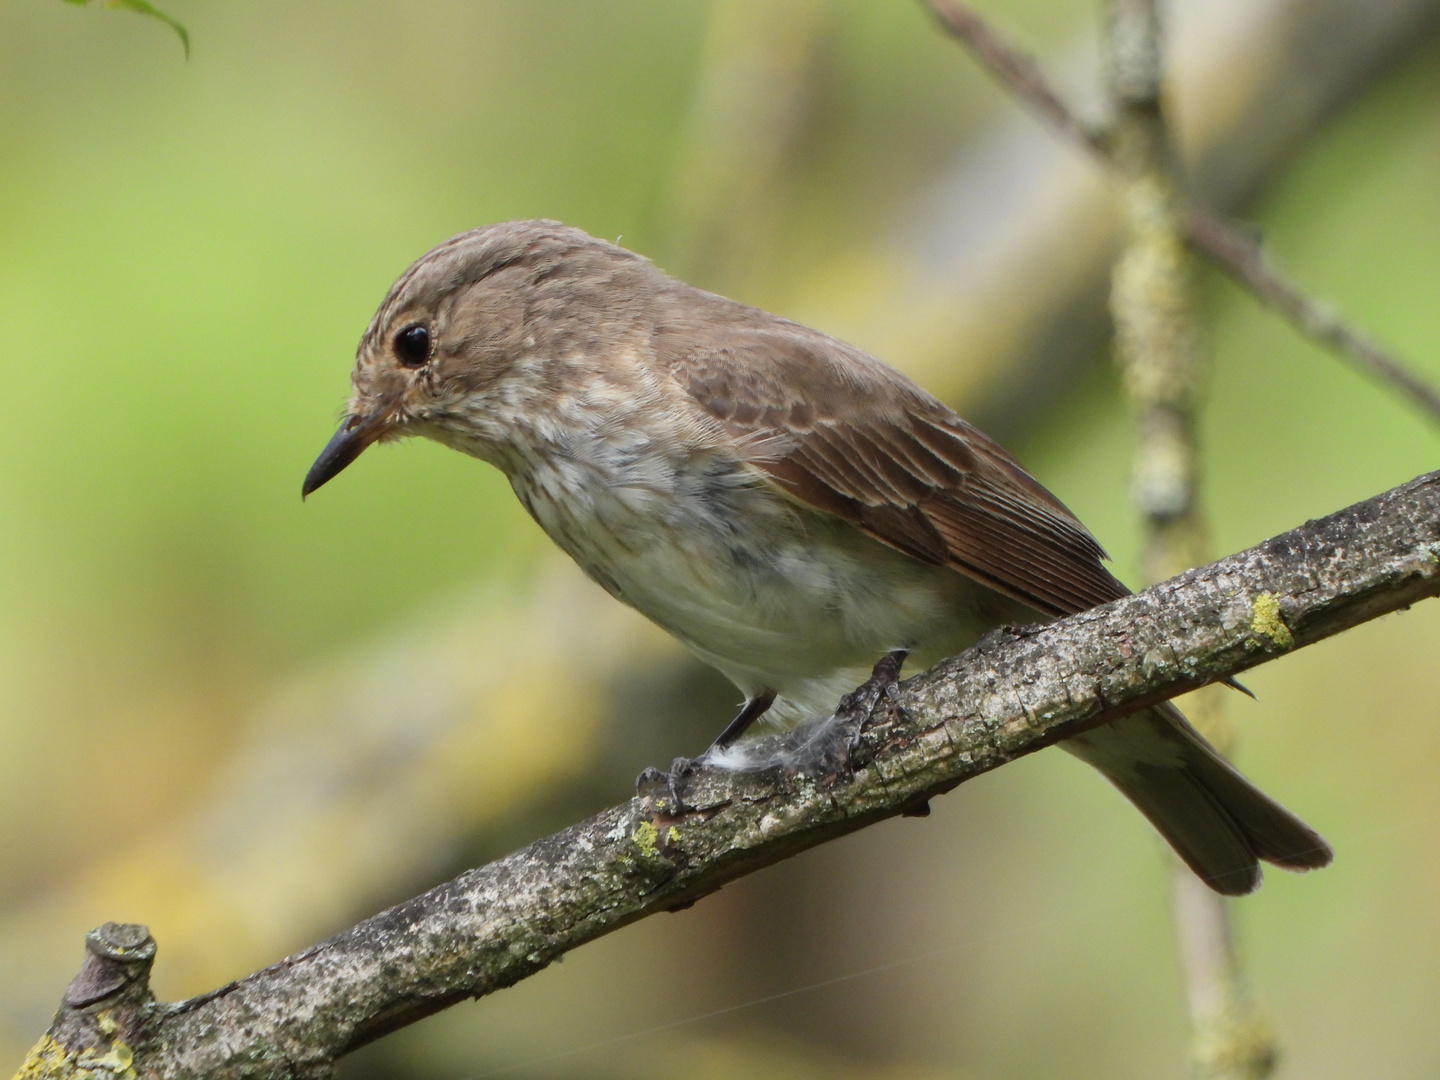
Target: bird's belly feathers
pixel 777 596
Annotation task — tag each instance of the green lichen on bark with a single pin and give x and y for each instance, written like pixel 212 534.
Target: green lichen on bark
pixel 51 1060
pixel 1268 623
pixel 646 837
pixel 47 1059
pixel 1238 1043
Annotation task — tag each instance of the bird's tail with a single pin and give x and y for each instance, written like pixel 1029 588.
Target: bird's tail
pixel 1215 819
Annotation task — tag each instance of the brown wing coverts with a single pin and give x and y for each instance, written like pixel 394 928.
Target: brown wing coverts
pixel 863 442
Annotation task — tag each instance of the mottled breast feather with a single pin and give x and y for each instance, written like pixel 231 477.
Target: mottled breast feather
pixel 842 432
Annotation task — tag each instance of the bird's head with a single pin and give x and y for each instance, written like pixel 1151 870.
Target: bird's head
pixel 461 327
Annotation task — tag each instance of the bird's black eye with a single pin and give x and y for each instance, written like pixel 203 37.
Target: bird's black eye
pixel 412 345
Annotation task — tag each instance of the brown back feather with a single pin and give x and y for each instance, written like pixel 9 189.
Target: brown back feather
pixel 842 432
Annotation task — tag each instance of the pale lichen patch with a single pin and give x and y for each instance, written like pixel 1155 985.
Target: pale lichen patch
pixel 49 1060
pixel 1265 620
pixel 646 838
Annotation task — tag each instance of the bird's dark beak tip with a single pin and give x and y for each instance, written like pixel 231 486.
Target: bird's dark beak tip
pixel 344 447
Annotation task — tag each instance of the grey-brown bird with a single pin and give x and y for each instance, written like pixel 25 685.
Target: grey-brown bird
pixel 786 505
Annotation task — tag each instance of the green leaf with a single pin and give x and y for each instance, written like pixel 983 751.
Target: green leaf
pixel 142 8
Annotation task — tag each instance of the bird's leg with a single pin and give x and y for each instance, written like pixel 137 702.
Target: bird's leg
pixel 751 711
pixel 834 751
pixel 681 768
pixel 856 706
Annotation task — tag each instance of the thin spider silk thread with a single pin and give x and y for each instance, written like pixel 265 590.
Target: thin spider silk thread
pixel 792 992
pixel 879 969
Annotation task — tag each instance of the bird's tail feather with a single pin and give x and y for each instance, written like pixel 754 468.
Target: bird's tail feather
pixel 1215 819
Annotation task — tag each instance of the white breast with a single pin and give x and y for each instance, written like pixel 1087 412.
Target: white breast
pixel 777 596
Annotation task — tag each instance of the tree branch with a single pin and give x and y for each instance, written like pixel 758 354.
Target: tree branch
pixel 1016 691
pixel 1237 251
pixel 1232 248
pixel 1157 340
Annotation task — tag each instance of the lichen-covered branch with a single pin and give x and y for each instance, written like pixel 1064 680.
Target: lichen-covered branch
pixel 1016 691
pixel 1151 296
pixel 1231 247
pixel 1152 302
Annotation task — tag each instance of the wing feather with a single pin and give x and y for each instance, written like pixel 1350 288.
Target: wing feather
pixel 850 436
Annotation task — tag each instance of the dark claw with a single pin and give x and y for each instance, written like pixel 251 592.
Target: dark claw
pixel 681 769
pixel 856 706
pixel 834 752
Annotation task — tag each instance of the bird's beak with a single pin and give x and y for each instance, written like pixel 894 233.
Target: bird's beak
pixel 347 444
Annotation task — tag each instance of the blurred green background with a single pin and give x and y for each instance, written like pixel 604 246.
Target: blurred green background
pixel 222 709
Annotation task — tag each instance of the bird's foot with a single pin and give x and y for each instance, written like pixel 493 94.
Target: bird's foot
pixel 832 750
pixel 681 769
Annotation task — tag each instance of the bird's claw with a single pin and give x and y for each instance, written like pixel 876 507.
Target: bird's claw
pixel 681 769
pixel 855 707
pixel 835 750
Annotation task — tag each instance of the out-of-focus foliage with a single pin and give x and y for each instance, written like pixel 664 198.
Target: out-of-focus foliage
pixel 140 7
pixel 188 254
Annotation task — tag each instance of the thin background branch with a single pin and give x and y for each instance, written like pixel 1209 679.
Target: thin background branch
pixel 1230 247
pixel 1157 336
pixel 1237 251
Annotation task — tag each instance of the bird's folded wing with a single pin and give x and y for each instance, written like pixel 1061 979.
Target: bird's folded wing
pixel 842 432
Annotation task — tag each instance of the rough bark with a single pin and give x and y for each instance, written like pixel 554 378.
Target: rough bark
pixel 1016 691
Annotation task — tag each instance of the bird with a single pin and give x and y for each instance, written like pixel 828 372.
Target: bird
pixel 797 513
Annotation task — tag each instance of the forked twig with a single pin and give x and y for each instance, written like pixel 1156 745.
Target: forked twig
pixel 1230 247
